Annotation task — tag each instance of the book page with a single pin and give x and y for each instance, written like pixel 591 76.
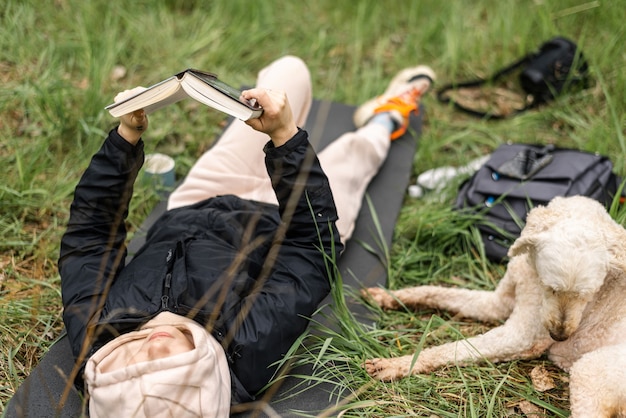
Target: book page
pixel 215 99
pixel 154 97
pixel 224 88
pixel 220 99
pixel 179 95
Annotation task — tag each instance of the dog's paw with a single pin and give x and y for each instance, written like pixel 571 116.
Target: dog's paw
pixel 381 297
pixel 386 369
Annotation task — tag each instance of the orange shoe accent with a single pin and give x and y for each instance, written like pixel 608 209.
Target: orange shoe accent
pixel 404 104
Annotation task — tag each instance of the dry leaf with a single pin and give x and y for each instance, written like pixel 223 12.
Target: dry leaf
pixel 541 379
pixel 118 73
pixel 530 409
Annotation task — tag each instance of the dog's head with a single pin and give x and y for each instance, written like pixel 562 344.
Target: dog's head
pixel 571 252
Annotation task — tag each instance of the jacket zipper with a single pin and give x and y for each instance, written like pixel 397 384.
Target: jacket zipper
pixel 167 286
pixel 166 291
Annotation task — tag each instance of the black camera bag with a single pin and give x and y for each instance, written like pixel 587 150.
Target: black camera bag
pixel 557 66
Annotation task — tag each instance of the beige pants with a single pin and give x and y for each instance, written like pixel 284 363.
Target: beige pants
pixel 235 164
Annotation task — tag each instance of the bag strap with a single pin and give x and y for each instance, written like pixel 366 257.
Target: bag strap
pixel 442 97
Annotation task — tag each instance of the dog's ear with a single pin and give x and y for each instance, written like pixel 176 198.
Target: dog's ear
pixel 539 219
pixel 523 245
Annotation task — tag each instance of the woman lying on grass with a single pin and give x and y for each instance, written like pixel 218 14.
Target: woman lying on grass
pixel 230 274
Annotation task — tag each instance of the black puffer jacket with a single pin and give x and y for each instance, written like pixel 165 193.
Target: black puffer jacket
pixel 251 272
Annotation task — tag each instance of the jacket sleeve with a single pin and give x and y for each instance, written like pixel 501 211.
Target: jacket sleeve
pixel 93 247
pixel 297 272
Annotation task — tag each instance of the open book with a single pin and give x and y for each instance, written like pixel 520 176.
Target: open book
pixel 199 85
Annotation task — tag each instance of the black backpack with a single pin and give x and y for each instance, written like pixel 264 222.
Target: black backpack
pixel 518 177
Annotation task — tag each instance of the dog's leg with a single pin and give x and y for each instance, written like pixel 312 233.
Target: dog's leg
pixel 598 383
pixel 487 306
pixel 520 337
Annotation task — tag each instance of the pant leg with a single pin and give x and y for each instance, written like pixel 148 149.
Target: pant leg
pixel 350 163
pixel 235 164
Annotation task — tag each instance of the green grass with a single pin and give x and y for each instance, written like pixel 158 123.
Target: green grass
pixel 56 64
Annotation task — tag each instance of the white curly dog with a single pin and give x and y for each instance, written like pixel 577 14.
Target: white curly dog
pixel 564 292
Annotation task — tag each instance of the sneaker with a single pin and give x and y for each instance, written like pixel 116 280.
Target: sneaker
pixel 400 99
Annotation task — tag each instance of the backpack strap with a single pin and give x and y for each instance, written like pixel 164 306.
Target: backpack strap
pixel 444 98
pixel 558 64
